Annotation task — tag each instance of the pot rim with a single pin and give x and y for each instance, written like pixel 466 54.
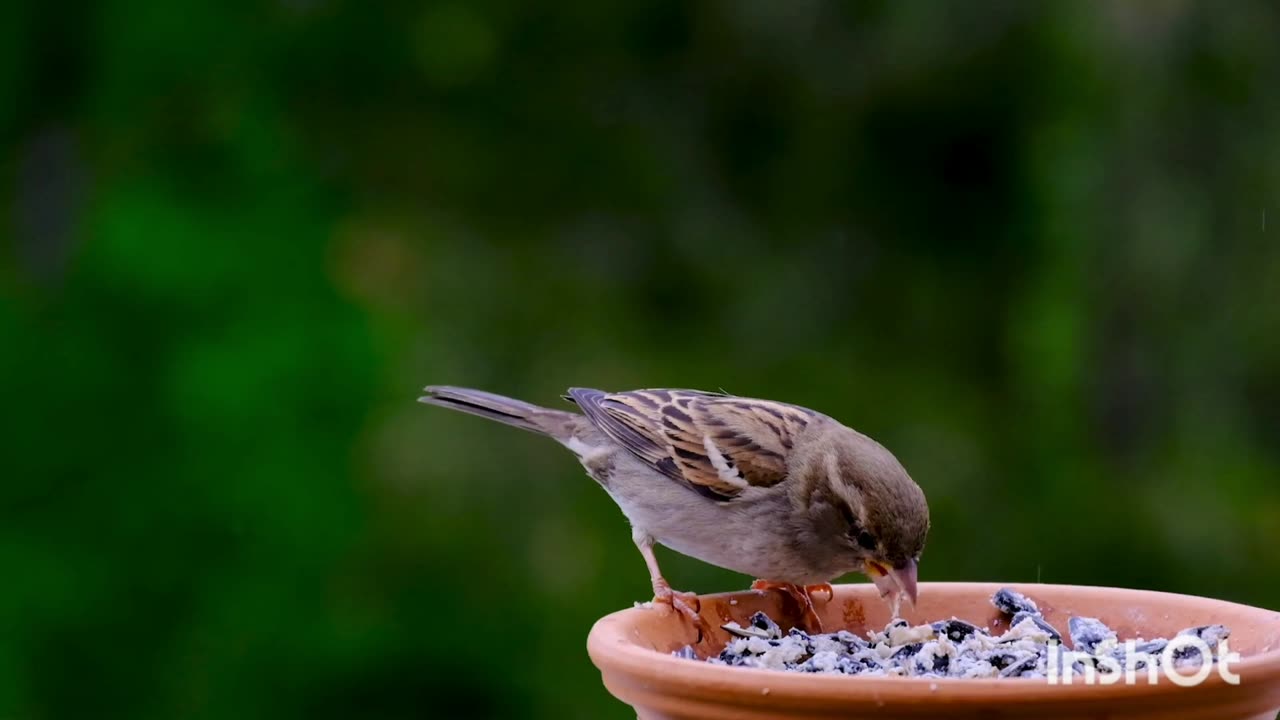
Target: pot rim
pixel 613 650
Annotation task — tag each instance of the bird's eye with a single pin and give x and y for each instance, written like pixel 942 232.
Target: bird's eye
pixel 852 521
pixel 862 537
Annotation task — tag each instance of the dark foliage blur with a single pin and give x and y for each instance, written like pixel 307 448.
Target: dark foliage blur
pixel 1025 245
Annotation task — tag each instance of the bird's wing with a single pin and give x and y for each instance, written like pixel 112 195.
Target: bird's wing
pixel 718 444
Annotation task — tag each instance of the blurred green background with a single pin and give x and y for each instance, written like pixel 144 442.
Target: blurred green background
pixel 1025 245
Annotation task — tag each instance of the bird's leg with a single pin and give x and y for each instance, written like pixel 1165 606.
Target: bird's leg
pixel 687 604
pixel 803 597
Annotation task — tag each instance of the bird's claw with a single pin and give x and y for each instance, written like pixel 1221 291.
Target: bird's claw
pixel 685 603
pixel 821 587
pixel 802 595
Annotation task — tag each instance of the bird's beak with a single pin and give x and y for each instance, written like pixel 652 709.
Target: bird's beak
pixel 891 580
pixel 905 576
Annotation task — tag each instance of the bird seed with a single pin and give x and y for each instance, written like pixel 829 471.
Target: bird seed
pixel 950 648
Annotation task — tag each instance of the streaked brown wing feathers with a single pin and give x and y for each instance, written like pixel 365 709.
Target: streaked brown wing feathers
pixel 720 445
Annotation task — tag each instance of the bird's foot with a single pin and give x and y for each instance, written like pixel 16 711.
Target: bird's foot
pixel 824 588
pixel 803 597
pixel 687 604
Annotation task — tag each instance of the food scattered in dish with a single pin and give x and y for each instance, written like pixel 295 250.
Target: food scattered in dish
pixel 1030 648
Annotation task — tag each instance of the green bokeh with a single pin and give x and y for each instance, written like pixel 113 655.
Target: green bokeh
pixel 1025 245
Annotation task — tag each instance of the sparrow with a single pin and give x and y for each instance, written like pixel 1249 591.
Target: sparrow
pixel 771 490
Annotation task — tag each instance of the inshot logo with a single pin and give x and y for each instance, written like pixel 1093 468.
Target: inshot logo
pixel 1186 660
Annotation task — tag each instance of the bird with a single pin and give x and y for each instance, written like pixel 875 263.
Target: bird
pixel 779 492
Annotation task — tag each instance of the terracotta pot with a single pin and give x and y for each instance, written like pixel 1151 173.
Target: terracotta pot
pixel 632 649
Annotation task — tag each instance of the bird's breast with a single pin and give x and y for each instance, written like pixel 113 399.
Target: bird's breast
pixel 741 534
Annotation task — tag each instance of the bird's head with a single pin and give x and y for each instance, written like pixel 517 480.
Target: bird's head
pixel 876 512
